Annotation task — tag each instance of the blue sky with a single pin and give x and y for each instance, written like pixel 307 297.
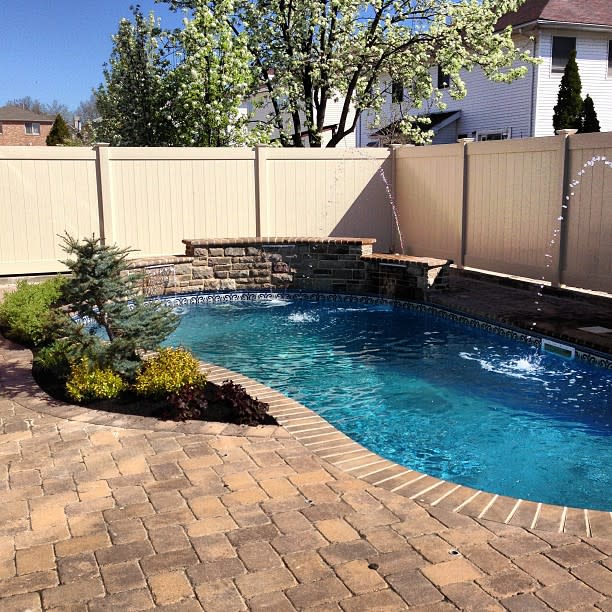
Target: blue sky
pixel 55 49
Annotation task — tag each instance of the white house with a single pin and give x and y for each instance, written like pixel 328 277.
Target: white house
pixel 550 29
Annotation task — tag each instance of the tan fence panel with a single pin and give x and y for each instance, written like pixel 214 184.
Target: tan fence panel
pixel 44 191
pixel 429 188
pixel 587 256
pixel 513 202
pixel 158 196
pixel 327 192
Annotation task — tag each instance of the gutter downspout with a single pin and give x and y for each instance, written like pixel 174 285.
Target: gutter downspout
pixel 534 67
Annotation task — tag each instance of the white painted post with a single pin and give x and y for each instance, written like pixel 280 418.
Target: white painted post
pixel 262 217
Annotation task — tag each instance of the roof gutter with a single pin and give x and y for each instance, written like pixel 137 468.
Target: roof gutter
pixel 545 23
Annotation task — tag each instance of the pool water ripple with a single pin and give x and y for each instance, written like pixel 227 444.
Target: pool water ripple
pixel 428 393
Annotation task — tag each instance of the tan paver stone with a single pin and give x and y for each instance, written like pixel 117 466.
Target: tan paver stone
pixel 595 575
pixel 129 495
pixel 398 561
pixel 343 552
pixel 308 478
pixel 469 535
pixel 126 531
pixel 176 559
pixel 602 544
pixel 128 601
pixel 79 591
pixel 295 542
pixel 249 516
pixel 556 539
pixel 169 538
pixel 103 437
pixel 244 497
pixel 267 581
pixel 220 596
pixel 55 533
pixel 431 546
pixel 81 544
pixel 337 530
pixel 258 556
pixel 291 522
pixel 164 501
pixel 124 552
pixel 87 524
pixel 7 568
pixel 132 465
pixel 203 507
pixel 278 487
pixel 449 572
pixel 124 512
pixel 44 518
pixel 312 594
pixel 543 569
pixel 470 597
pixel 274 602
pixel 239 481
pixel 517 546
pixel 575 554
pixel 21 603
pixel 508 584
pixel 381 601
pixel 238 537
pixel 414 588
pixel 91 505
pixel 211 525
pixel 213 547
pixel 170 587
pixel 486 558
pixel 307 566
pixel 359 578
pixel 77 567
pixel 568 595
pixel 216 570
pixel 120 577
pixel 182 516
pixel 525 602
pixel 93 490
pixel 35 559
pixel 417 525
pixel 28 583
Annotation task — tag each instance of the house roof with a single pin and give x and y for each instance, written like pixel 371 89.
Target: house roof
pixel 16 113
pixel 578 12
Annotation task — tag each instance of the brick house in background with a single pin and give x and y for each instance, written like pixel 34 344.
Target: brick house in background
pixel 23 127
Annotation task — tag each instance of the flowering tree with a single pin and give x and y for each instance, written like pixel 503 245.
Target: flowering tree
pixel 211 79
pixel 131 100
pixel 309 52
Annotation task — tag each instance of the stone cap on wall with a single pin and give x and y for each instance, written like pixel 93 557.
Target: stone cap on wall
pixel 394 258
pixel 159 261
pixel 197 242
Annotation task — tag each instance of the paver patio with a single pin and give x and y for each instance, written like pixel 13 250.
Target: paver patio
pixel 143 513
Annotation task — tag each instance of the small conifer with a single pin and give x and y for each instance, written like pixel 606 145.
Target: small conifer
pixel 100 290
pixel 590 123
pixel 568 111
pixel 59 133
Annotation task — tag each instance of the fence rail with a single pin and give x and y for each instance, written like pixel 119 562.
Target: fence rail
pixel 497 206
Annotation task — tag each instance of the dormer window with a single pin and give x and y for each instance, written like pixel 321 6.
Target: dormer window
pixel 561 49
pixel 443 79
pixel 397 92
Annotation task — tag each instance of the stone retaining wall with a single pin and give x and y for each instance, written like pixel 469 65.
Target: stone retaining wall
pixel 315 264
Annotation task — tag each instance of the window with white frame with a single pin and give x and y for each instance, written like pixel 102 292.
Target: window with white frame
pixel 32 128
pixel 561 49
pixel 483 135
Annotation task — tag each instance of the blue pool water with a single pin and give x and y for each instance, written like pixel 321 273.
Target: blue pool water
pixel 431 394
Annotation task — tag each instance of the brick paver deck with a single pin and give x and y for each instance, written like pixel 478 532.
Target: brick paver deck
pixel 104 512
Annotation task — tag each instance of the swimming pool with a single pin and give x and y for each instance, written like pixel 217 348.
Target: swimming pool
pixel 456 402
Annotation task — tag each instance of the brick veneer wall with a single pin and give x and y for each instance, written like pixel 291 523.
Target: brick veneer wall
pixel 344 265
pixel 13 133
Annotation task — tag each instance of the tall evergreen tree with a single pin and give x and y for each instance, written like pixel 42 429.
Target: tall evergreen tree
pixel 59 133
pixel 131 101
pixel 590 123
pixel 568 111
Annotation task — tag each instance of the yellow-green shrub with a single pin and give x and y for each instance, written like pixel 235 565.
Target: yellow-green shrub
pixel 167 372
pixel 87 382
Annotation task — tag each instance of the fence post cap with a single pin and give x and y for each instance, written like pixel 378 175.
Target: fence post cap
pixel 566 132
pixel 465 140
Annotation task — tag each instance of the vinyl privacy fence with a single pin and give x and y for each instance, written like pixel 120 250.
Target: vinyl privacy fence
pixel 495 206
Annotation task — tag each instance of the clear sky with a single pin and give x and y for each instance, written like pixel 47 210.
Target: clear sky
pixel 55 49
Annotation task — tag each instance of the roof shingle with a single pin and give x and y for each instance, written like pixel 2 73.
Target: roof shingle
pixel 581 12
pixel 15 113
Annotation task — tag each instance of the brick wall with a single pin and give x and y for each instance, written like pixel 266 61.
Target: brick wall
pixel 344 265
pixel 13 133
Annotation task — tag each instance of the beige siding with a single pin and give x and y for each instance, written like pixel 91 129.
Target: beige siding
pixel 44 191
pixel 161 195
pixel 513 201
pixel 587 257
pixel 328 192
pixel 429 186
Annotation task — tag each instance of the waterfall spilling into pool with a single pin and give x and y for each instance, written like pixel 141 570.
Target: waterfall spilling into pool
pixel 451 400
